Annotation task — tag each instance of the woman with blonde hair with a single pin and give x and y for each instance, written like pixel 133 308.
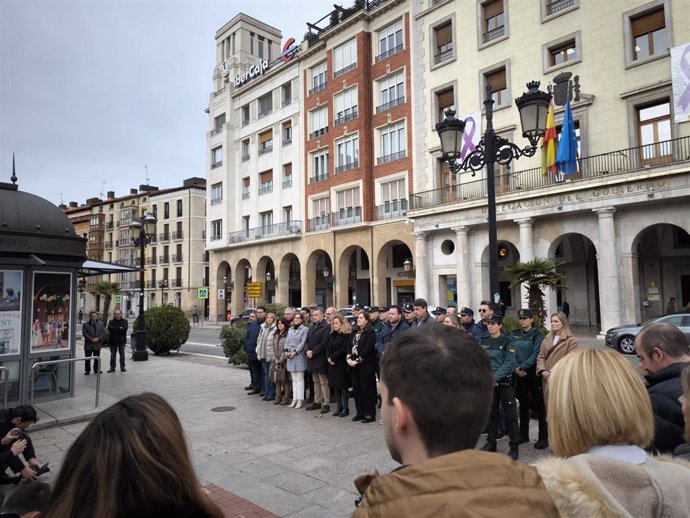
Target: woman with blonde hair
pixel 336 352
pixel 131 461
pixel 556 344
pixel 601 421
pixel 264 344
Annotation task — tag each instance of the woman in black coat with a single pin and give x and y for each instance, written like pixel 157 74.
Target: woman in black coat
pixel 336 351
pixel 362 361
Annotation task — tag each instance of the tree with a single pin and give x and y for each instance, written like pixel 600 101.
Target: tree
pixel 536 275
pixel 167 328
pixel 107 289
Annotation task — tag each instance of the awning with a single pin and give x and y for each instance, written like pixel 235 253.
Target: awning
pixel 91 267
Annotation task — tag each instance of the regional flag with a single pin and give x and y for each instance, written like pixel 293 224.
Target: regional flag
pixel 548 156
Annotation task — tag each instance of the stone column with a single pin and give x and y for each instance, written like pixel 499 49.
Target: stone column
pixel 526 252
pixel 421 265
pixel 632 299
pixel 462 259
pixel 609 280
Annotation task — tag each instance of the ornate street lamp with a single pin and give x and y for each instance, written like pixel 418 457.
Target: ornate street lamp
pixel 143 231
pixel 533 106
pixel 163 285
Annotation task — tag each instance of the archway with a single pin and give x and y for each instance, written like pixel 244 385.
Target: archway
pixel 320 278
pixel 266 274
pixel 396 285
pixel 663 269
pixel 223 298
pixel 576 257
pixel 354 282
pixel 243 275
pixel 288 281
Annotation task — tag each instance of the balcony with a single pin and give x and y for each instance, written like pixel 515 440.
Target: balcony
pixel 110 225
pixel 392 104
pixel 108 245
pixel 150 284
pixel 164 259
pixel 494 34
pixel 318 132
pixel 245 157
pixel 287 182
pixel 347 167
pixel 266 147
pixel 348 216
pixel 596 167
pixel 265 112
pixel 344 70
pixel 245 194
pixel 319 223
pixel 318 178
pixel 151 260
pixel 266 188
pixel 391 157
pixel 287 102
pixel 347 117
pixel 388 53
pixel 176 283
pixel 215 165
pixel 390 210
pixel 216 201
pixel 125 243
pixel 216 131
pixel 245 122
pixel 318 88
pixel 287 141
pixel 288 228
pixel 177 258
pixel 557 6
pixel 164 236
pixel 445 52
pixel 177 235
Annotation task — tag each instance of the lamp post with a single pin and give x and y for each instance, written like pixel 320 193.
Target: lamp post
pixel 533 106
pixel 143 229
pixel 162 284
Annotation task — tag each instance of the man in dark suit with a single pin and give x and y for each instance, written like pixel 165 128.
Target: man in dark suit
pixel 92 331
pixel 117 328
pixel 317 340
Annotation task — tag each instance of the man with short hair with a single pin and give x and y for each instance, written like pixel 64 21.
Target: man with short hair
pixel 452 310
pixel 306 316
pixel 421 313
pixel 330 313
pixel 289 313
pixel 117 328
pixel 21 417
pixel 92 331
pixel 255 368
pixel 663 353
pixel 383 315
pixel 439 314
pixel 486 311
pixel 317 340
pixel 396 325
pixel 408 314
pixel 441 473
pixel 467 321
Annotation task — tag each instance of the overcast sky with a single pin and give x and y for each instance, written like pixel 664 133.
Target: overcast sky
pixel 91 91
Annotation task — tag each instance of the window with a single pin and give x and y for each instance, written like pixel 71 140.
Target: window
pixel 391 91
pixel 261 47
pixel 345 58
pixel 497 80
pixel 318 78
pixel 445 100
pixel 649 34
pixel 390 40
pixel 246 184
pixel 286 91
pixel 443 42
pixel 345 106
pixel 319 122
pixel 252 44
pixel 266 141
pixel 493 16
pixel 347 153
pixel 166 210
pixel 553 8
pixel 266 182
pixel 287 214
pixel 245 150
pixel 320 211
pixel 287 175
pixel 216 193
pixel 179 208
pixel 446 181
pixel 216 157
pixel 287 132
pixel 265 104
pixel 245 114
pixel 564 51
pixel 392 143
pixel 654 129
pixel 349 207
pixel 218 123
pixel 266 219
pixel 319 166
pixel 394 198
pixel 245 223
pixel 216 230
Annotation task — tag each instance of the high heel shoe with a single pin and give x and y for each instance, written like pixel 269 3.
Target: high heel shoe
pixel 300 404
pixel 292 405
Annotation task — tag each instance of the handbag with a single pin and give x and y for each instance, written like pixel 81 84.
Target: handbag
pixel 277 373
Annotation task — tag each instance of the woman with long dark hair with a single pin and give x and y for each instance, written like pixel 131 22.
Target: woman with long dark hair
pixel 295 345
pixel 277 357
pixel 131 460
pixel 362 361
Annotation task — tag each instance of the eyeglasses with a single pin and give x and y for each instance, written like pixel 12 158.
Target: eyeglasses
pixel 523 318
pixel 464 314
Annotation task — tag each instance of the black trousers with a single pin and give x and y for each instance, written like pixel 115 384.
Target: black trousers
pixel 504 395
pixel 364 388
pixel 530 395
pixel 256 374
pixel 15 463
pixel 96 363
pixel 342 398
pixel 309 385
pixel 114 349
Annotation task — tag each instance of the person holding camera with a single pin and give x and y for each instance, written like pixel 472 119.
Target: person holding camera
pixel 503 360
pixel 363 363
pixel 13 425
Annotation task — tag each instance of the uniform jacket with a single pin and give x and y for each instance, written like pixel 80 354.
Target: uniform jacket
pixel 296 341
pixel 253 330
pixel 527 347
pixel 366 349
pixel 474 330
pixel 264 341
pixel 464 484
pixel 664 391
pixel 337 350
pixel 118 331
pixel 502 355
pixel 317 340
pixel 390 332
pixel 92 329
pixel 549 355
pixel 378 327
pixel 588 486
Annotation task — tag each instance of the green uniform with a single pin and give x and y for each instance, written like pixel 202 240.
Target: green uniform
pixel 502 355
pixel 527 346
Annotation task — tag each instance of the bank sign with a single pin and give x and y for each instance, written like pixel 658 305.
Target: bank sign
pixel 290 49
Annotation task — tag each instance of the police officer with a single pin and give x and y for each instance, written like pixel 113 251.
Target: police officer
pixel 467 321
pixel 527 341
pixel 502 355
pixel 408 314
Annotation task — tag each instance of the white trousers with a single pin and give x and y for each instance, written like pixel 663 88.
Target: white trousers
pixel 297 385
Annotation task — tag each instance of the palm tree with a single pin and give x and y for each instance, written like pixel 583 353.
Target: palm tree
pixel 537 275
pixel 107 289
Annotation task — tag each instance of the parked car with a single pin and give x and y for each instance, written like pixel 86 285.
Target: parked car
pixel 244 315
pixel 346 311
pixel 623 337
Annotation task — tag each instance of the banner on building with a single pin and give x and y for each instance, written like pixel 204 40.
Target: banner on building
pixel 680 74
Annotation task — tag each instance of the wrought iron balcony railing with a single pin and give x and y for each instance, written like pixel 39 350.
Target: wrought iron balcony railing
pixel 286 228
pixel 390 210
pixel 388 53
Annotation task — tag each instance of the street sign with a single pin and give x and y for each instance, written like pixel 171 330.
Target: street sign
pixel 254 290
pixel 117 299
pixel 202 293
pixel 221 294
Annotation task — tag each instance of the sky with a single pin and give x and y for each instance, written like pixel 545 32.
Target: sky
pixel 95 93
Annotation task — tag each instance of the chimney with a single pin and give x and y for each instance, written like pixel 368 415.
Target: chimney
pixel 133 191
pixel 111 195
pixel 92 201
pixel 73 205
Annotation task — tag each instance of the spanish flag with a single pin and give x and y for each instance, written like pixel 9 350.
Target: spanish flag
pixel 548 156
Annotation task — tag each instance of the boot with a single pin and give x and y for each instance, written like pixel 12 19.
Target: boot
pixel 541 444
pixel 489 446
pixel 513 453
pixel 286 401
pixel 325 409
pixel 278 400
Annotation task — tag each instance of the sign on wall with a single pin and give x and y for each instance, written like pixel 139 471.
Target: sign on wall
pixel 50 312
pixel 10 312
pixel 680 74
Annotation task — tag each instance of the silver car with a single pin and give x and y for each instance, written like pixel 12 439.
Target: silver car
pixel 623 337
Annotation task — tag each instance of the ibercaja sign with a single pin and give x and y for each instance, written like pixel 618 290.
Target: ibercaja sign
pixel 290 49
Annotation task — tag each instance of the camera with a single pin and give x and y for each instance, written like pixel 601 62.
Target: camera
pixel 42 469
pixel 355 357
pixel 21 435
